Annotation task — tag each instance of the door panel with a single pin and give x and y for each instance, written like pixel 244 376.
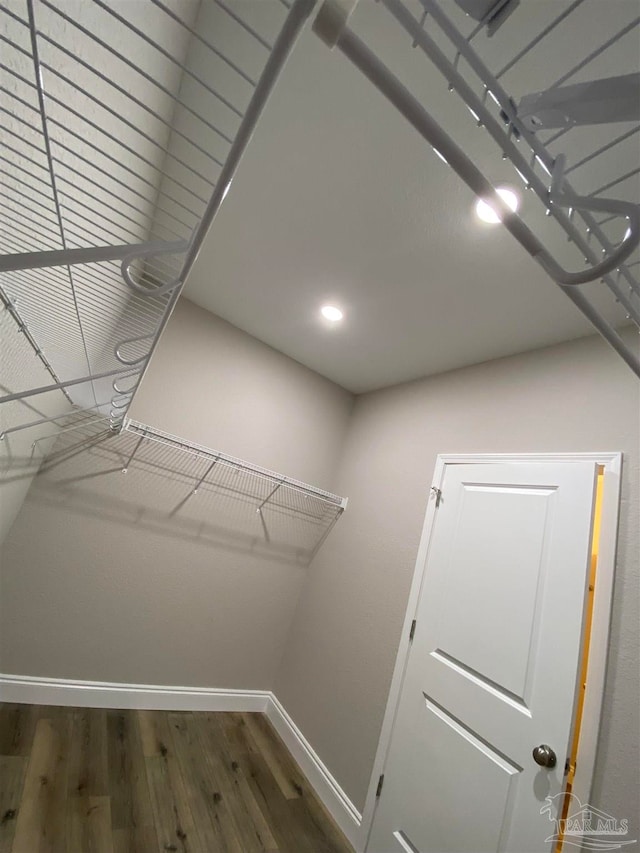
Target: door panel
pixel 498 599
pixel 493 665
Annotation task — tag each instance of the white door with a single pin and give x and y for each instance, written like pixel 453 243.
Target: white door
pixel 492 668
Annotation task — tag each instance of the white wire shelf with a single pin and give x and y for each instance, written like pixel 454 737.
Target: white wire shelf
pixel 143 476
pixel 582 222
pixel 122 126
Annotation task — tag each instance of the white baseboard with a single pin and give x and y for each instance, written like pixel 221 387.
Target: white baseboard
pixel 103 694
pixel 326 787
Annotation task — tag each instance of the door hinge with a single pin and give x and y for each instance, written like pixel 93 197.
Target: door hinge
pixel 412 631
pixel 380 784
pixel 438 493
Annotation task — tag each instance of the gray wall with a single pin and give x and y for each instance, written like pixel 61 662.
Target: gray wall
pixel 340 653
pixel 21 369
pixel 17 466
pixel 217 386
pixel 89 591
pixel 92 597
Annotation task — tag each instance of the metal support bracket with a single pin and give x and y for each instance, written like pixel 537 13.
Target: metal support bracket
pixel 193 491
pixel 599 101
pixel 133 453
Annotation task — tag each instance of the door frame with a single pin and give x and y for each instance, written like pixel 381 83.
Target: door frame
pixel 603 595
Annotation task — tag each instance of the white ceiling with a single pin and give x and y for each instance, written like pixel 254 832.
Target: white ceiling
pixel 338 200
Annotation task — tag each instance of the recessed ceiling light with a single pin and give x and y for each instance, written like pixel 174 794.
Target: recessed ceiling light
pixel 330 312
pixel 487 213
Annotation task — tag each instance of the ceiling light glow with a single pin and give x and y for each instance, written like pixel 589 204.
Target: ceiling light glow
pixel 486 212
pixel 330 312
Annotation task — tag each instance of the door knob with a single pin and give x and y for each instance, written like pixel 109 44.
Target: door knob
pixel 544 756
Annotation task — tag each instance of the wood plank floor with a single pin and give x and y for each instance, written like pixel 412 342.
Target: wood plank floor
pixel 79 780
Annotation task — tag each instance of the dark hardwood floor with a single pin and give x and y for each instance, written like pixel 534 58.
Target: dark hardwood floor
pixel 78 780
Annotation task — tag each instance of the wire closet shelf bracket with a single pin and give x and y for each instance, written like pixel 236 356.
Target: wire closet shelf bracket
pixel 123 125
pixel 604 230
